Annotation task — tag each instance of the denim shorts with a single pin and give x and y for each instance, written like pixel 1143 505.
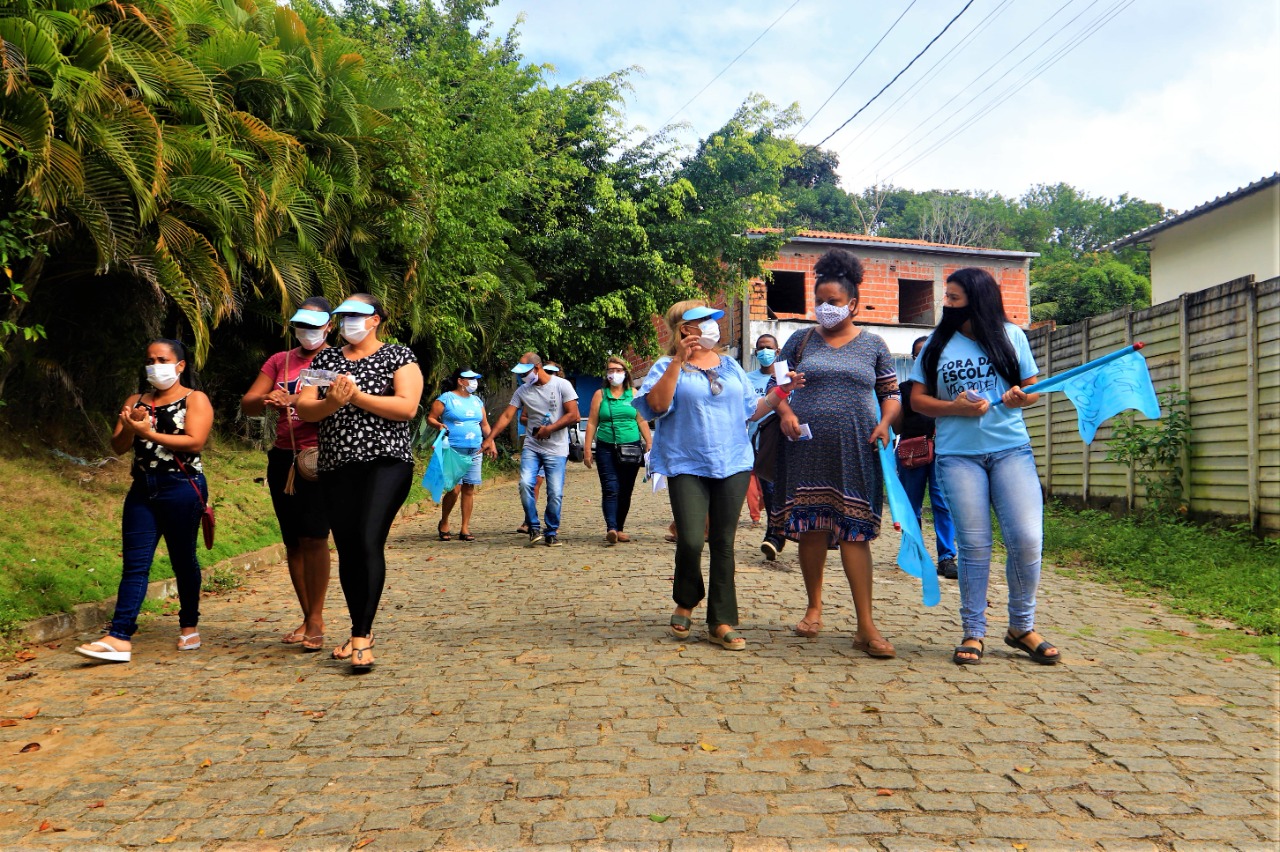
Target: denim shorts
pixel 474 475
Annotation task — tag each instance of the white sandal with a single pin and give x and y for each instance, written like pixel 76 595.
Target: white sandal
pixel 110 655
pixel 185 643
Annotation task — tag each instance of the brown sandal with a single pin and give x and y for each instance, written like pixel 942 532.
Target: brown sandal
pixel 808 629
pixel 878 648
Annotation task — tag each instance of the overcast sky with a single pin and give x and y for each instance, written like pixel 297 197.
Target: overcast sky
pixel 1175 101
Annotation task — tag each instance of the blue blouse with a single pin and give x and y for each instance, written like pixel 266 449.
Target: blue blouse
pixel 702 434
pixel 462 419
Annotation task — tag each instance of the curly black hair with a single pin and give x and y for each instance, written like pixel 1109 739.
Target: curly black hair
pixel 839 266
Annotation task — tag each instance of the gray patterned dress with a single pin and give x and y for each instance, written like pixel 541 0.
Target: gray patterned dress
pixel 833 482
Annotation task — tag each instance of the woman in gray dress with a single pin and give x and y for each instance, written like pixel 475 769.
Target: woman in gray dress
pixel 828 491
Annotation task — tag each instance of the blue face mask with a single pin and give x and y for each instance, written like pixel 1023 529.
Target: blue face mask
pixel 766 356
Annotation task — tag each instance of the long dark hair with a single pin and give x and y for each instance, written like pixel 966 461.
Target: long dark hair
pixel 987 320
pixel 453 380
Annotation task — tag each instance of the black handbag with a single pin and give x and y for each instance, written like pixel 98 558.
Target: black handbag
pixel 769 435
pixel 632 453
pixel 576 451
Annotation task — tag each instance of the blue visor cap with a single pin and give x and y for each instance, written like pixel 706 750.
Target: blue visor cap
pixel 317 318
pixel 552 369
pixel 354 306
pixel 700 314
pixel 521 369
pixel 469 374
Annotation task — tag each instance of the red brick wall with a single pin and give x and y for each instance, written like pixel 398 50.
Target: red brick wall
pixel 916 300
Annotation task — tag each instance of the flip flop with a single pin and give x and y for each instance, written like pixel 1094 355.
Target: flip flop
pixel 109 655
pixel 293 637
pixel 189 642
pixel 680 626
pixel 347 645
pixel 311 644
pixel 1038 653
pixel 808 629
pixel 880 649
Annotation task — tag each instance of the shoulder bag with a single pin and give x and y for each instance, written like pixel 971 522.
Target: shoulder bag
pixel 915 452
pixel 307 462
pixel 630 453
pixel 769 435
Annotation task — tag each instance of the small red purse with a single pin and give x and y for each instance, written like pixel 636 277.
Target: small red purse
pixel 915 452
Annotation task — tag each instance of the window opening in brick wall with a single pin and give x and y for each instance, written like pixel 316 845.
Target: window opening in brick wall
pixel 786 293
pixel 915 302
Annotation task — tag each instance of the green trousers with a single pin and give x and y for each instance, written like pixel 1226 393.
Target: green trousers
pixel 699 502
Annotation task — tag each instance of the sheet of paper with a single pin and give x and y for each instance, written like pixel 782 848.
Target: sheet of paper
pixel 659 482
pixel 806 434
pixel 780 370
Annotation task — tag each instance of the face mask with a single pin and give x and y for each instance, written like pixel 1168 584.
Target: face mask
pixel 830 316
pixel 766 356
pixel 472 385
pixel 531 376
pixel 353 329
pixel 955 316
pixel 710 334
pixel 617 379
pixel 162 376
pixel 310 338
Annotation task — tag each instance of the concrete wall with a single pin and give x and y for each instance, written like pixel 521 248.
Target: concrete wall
pixel 1239 239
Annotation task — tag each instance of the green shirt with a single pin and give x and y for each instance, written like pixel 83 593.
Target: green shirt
pixel 617 418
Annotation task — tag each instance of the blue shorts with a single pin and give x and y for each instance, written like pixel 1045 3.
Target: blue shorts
pixel 474 476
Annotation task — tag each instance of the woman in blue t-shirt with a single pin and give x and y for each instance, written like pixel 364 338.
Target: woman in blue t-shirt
pixel 972 383
pixel 461 413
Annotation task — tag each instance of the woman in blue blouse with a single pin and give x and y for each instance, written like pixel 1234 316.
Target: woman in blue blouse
pixel 702 401
pixel 460 412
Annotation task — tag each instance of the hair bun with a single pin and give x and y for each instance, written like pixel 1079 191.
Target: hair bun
pixel 838 263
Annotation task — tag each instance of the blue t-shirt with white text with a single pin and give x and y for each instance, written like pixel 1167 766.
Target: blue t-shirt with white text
pixel 964 365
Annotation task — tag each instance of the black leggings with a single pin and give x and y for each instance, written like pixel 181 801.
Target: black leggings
pixel 361 499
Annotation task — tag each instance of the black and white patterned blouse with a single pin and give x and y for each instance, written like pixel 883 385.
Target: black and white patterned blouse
pixel 150 457
pixel 352 434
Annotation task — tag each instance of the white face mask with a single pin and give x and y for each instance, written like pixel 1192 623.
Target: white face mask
pixel 162 376
pixel 617 379
pixel 531 376
pixel 710 333
pixel 354 330
pixel 830 316
pixel 472 385
pixel 310 338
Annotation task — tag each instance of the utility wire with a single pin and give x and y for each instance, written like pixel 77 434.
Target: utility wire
pixel 730 65
pixel 1089 30
pixel 891 149
pixel 855 70
pixel 896 76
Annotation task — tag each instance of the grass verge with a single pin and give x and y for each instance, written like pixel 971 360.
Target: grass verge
pixel 1204 572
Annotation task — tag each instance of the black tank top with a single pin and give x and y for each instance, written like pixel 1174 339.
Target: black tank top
pixel 150 457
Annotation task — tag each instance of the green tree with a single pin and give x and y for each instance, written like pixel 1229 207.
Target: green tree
pixel 1069 291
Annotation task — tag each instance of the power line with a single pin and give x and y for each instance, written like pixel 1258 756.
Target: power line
pixel 891 149
pixel 896 76
pixel 730 65
pixel 1089 30
pixel 855 69
pixel 899 103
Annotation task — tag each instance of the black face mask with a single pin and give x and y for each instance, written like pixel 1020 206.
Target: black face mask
pixel 954 317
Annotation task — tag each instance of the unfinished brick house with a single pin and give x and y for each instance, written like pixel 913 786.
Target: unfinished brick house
pixel 901 292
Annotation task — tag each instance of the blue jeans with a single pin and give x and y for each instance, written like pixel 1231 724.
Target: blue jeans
pixel 161 504
pixel 1007 482
pixel 552 468
pixel 617 482
pixel 913 481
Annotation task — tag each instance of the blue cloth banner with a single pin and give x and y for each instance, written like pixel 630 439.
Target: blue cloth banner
pixel 913 558
pixel 1103 388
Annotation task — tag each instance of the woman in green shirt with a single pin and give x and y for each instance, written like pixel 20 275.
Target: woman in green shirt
pixel 618 438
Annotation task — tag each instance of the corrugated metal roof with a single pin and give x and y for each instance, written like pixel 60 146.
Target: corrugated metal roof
pixel 894 242
pixel 1176 219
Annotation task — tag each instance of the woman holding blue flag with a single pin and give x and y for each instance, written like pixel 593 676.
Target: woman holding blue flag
pixel 369 392
pixel 460 413
pixel 970 378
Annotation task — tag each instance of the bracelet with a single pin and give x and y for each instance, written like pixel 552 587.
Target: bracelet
pixel 781 393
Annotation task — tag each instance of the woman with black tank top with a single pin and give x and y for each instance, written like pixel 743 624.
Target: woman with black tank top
pixel 167 427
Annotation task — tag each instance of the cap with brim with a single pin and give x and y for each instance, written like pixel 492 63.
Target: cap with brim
pixel 354 306
pixel 552 369
pixel 469 374
pixel 521 369
pixel 699 314
pixel 306 317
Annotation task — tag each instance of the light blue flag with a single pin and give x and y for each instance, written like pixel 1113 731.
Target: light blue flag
pixel 912 555
pixel 1105 389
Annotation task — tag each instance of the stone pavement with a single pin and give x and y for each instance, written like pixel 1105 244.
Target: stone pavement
pixel 531 698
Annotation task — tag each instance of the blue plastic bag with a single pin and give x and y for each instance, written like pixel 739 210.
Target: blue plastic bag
pixel 445 470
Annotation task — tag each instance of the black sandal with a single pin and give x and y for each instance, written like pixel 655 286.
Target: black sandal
pixel 466 537
pixel 359 665
pixel 974 654
pixel 444 534
pixel 1038 654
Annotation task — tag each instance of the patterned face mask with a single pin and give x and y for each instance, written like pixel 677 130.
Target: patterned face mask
pixel 830 316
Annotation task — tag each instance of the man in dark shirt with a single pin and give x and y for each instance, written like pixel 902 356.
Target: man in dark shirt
pixel 915 425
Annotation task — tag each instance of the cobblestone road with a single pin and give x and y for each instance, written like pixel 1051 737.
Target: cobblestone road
pixel 531 698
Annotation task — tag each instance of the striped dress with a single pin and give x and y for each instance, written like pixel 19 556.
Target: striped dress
pixel 833 482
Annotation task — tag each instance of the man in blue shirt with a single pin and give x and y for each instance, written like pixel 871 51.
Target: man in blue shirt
pixel 760 493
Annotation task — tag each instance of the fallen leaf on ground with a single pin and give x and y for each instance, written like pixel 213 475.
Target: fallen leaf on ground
pixel 658 817
pixel 45 826
pixel 31 714
pixel 1022 768
pixel 588 568
pixel 29 747
pixel 170 839
pixel 884 791
pixel 97 805
pixel 1019 846
pixel 870 709
pixel 8 723
pixel 365 842
pixel 206 763
pixel 24 656
pixel 706 746
pixel 20 676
